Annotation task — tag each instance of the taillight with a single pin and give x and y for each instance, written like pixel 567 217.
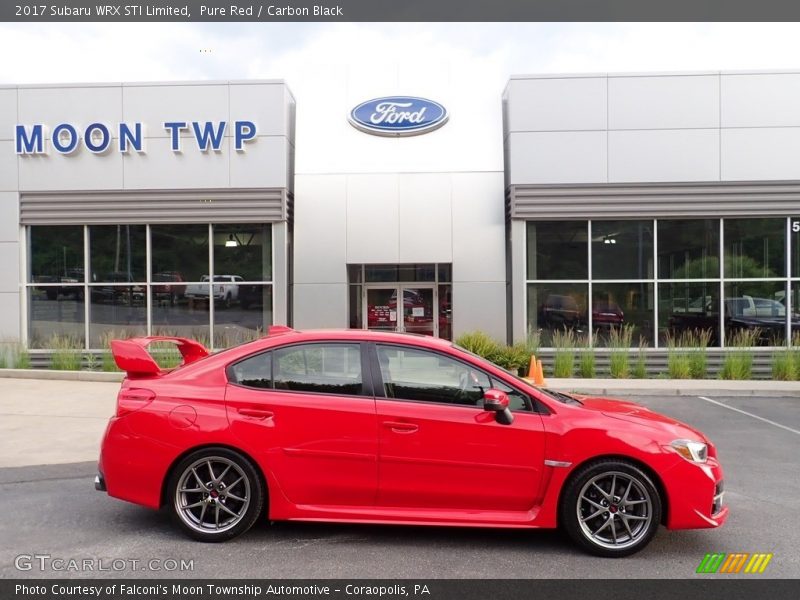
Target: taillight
pixel 131 399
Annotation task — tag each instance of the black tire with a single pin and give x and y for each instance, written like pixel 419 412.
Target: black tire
pixel 633 506
pixel 239 490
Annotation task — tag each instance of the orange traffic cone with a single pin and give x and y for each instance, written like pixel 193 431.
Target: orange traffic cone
pixel 540 372
pixel 532 368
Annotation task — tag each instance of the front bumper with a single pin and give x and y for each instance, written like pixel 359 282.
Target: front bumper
pixel 695 495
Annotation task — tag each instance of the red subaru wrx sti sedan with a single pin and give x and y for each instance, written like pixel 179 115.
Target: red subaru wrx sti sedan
pixel 368 427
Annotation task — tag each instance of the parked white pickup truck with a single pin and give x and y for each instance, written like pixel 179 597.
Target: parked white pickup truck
pixel 224 289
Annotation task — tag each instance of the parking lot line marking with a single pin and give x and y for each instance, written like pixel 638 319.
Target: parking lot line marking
pixel 744 412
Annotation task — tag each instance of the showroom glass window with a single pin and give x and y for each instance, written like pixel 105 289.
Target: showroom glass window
pixel 755 285
pixel 688 249
pixel 57 272
pixel 688 258
pixel 242 290
pixel 117 282
pixel 668 278
pixel 622 249
pixel 88 284
pixel 794 287
pixel 557 250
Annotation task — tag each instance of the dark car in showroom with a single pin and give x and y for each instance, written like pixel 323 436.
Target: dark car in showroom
pixel 765 315
pixel 560 312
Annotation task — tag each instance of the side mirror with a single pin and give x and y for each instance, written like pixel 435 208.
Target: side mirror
pixel 496 401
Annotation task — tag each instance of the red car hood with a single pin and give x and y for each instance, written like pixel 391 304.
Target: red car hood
pixel 636 413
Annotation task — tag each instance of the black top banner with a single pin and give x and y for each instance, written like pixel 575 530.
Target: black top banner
pixel 399 10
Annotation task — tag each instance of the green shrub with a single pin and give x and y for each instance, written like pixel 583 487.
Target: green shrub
pixel 20 357
pixel 479 343
pixel 564 343
pixel 678 363
pixel 234 336
pixel 166 354
pixel 66 354
pixel 107 362
pixel 92 361
pixel 587 364
pixel 533 340
pixel 783 365
pixel 687 354
pixel 619 340
pixel 795 352
pixel 512 358
pixel 517 357
pixel 697 340
pixel 639 370
pixel 738 362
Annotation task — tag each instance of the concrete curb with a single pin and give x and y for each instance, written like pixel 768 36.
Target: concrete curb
pixel 44 374
pixel 677 387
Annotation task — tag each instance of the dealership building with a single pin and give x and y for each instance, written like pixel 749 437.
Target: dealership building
pixel 665 203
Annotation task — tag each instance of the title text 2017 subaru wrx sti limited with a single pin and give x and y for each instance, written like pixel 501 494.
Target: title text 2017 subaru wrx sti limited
pixel 368 427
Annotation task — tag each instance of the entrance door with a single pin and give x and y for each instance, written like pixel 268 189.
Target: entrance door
pixel 417 313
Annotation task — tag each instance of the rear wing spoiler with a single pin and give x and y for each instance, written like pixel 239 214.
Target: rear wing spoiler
pixel 131 355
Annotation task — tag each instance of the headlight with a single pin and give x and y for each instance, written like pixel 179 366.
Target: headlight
pixel 692 451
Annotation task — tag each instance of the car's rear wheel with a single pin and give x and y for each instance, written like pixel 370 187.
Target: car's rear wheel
pixel 611 508
pixel 215 494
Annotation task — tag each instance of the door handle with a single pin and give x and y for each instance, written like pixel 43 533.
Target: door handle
pixel 398 427
pixel 256 413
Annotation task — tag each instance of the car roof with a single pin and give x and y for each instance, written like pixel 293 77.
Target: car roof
pixel 316 335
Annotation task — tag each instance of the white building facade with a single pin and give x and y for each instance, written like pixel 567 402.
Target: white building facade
pixel 664 203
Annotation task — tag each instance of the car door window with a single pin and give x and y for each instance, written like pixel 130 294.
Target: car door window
pixel 255 371
pixel 319 368
pixel 412 374
pixel 516 400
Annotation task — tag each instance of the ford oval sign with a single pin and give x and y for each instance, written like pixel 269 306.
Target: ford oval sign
pixel 398 116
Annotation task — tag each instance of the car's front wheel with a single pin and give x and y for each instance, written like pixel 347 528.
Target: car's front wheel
pixel 611 508
pixel 215 494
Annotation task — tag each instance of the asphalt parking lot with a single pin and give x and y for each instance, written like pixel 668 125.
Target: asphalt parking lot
pixel 54 510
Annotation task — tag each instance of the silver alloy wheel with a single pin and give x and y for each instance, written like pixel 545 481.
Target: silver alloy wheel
pixel 212 495
pixel 614 510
